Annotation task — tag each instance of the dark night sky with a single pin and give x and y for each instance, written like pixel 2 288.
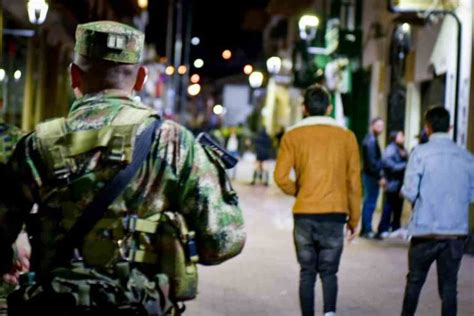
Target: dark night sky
pixel 219 25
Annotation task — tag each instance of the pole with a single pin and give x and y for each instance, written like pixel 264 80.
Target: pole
pixel 188 4
pixel 178 50
pixel 170 94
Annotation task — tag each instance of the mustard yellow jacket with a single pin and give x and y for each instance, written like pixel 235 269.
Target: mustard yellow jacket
pixel 325 158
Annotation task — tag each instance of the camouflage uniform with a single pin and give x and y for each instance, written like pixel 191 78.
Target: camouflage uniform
pixel 179 175
pixel 9 137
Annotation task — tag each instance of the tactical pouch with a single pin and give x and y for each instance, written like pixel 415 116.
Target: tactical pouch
pixel 177 256
pixel 81 291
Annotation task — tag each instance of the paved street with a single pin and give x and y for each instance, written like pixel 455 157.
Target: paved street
pixel 263 279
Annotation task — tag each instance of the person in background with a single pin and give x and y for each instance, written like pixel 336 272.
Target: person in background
pixel 372 175
pixel 439 182
pixel 232 145
pixel 263 148
pixel 325 158
pixel 394 162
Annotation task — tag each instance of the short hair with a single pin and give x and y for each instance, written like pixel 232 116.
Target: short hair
pixel 438 119
pixel 375 120
pixel 103 74
pixel 317 100
pixel 393 135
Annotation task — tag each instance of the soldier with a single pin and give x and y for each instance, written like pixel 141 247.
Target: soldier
pixel 178 201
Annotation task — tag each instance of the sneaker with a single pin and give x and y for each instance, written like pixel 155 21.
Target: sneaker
pixel 368 235
pixel 330 314
pixel 385 235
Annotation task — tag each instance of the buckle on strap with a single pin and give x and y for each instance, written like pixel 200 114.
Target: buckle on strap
pixel 141 256
pixel 117 152
pixel 134 224
pixel 61 165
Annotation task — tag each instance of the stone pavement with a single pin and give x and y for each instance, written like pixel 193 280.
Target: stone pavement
pixel 263 280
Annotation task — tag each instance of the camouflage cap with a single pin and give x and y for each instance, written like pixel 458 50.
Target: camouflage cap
pixel 109 40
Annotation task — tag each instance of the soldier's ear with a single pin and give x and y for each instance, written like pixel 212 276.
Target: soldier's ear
pixel 76 76
pixel 142 75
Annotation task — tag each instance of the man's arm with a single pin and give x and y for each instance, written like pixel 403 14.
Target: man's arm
pixel 411 183
pixel 374 164
pixel 354 189
pixel 284 164
pixel 390 161
pixel 208 202
pixel 15 205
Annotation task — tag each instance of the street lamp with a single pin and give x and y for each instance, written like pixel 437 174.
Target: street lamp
pixel 256 79
pixel 2 75
pixel 308 25
pixel 274 65
pixel 37 11
pixel 194 89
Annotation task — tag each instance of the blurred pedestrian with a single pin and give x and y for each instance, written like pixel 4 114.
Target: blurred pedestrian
pixel 372 175
pixel 439 182
pixel 263 149
pixel 325 158
pixel 394 162
pixel 233 147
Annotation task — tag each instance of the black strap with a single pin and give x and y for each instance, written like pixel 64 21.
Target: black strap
pixel 96 210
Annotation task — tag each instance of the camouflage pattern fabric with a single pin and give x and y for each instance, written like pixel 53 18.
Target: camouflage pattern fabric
pixel 110 41
pixel 178 176
pixel 9 137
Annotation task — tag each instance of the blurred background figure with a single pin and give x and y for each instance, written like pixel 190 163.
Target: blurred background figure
pixel 263 150
pixel 394 163
pixel 233 147
pixel 372 175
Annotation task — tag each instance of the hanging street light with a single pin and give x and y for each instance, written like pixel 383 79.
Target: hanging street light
pixel 198 63
pixel 274 65
pixel 195 41
pixel 256 79
pixel 308 25
pixel 195 78
pixel 169 70
pixel 227 54
pixel 248 69
pixel 37 11
pixel 218 109
pixel 194 89
pixel 2 74
pixel 143 4
pixel 17 75
pixel 182 69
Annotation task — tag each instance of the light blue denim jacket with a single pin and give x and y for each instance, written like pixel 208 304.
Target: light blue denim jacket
pixel 439 181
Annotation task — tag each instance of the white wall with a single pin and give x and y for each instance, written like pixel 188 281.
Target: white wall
pixel 236 103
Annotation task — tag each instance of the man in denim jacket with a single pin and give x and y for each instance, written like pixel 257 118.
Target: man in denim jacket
pixel 439 181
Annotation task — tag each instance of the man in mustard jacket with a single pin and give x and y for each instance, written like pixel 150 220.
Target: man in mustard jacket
pixel 325 157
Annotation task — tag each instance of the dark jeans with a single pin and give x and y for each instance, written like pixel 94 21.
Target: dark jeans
pixel 318 248
pixel 392 212
pixel 371 193
pixel 422 253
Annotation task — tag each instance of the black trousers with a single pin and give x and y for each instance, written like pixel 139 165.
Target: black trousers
pixel 422 253
pixel 318 248
pixel 392 212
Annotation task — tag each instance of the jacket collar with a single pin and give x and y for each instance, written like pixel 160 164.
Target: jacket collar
pixel 440 136
pixel 316 120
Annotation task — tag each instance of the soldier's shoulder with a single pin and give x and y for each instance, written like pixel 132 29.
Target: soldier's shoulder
pixel 173 131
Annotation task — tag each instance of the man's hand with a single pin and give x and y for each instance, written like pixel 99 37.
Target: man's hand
pixel 21 261
pixel 351 233
pixel 383 183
